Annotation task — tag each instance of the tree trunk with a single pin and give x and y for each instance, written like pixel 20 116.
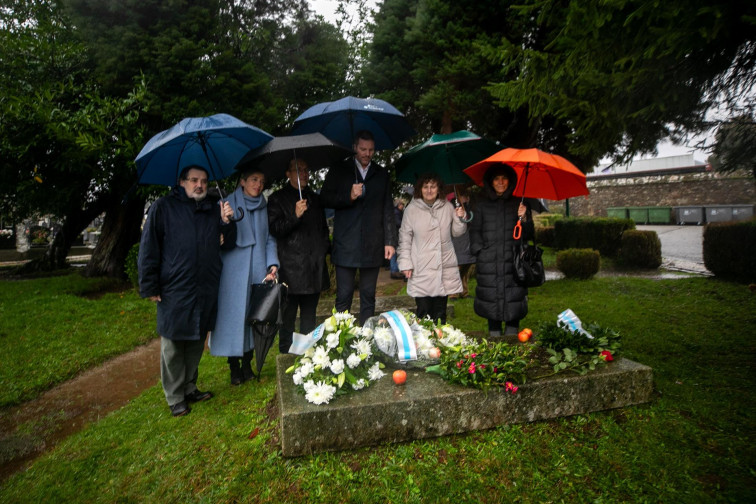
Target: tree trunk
pixel 120 231
pixel 446 122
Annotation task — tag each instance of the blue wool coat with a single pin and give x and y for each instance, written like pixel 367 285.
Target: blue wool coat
pixel 243 265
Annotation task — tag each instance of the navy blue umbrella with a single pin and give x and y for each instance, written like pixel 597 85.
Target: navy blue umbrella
pixel 339 120
pixel 216 143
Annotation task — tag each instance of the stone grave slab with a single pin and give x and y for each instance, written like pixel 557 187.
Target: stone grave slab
pixel 427 406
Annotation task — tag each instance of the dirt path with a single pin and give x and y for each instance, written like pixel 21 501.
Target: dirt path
pixel 69 407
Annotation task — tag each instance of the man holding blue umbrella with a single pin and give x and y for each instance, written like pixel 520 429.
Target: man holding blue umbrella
pixel 179 269
pixel 364 233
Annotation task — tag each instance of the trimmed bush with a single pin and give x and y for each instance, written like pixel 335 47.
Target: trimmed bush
pixel 546 219
pixel 729 250
pixel 131 268
pixel 641 249
pixel 578 263
pixel 602 234
pixel 545 236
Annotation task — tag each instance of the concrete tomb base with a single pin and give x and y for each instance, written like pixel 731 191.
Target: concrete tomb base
pixel 427 406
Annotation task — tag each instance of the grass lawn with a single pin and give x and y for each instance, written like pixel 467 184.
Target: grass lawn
pixel 693 443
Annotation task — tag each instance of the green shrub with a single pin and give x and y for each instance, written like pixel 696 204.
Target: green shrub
pixel 729 250
pixel 131 268
pixel 641 249
pixel 602 234
pixel 546 219
pixel 545 236
pixel 578 263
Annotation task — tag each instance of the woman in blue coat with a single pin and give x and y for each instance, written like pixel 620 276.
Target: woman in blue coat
pixel 253 260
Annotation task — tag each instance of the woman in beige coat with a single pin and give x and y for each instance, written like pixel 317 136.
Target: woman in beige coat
pixel 426 253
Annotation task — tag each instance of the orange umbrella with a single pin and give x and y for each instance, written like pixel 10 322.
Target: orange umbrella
pixel 539 174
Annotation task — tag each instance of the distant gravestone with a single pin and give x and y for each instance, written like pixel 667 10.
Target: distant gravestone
pixel 22 239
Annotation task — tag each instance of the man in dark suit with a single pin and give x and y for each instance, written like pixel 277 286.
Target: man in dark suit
pixel 364 232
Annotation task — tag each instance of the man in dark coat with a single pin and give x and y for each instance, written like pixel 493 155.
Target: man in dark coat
pixel 498 297
pixel 179 269
pixel 300 228
pixel 364 233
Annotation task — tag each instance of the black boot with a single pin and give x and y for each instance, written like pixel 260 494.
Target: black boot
pixel 246 366
pixel 234 363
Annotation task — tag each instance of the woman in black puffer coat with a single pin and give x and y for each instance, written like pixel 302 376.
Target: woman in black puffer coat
pixel 498 297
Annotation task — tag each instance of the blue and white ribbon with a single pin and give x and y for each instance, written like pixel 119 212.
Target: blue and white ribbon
pixel 571 321
pixel 405 343
pixel 302 342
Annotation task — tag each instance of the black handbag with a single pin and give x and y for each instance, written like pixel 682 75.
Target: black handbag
pixel 528 264
pixel 266 302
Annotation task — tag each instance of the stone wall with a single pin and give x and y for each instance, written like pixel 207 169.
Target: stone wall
pixel 691 188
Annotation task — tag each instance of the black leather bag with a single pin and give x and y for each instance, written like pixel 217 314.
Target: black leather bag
pixel 528 264
pixel 266 303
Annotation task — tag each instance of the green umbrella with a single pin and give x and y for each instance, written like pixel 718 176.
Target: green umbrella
pixel 446 156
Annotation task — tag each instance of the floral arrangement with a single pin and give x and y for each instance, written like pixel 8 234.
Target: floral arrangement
pixel 342 360
pixel 576 351
pixel 482 365
pixel 6 233
pixel 427 338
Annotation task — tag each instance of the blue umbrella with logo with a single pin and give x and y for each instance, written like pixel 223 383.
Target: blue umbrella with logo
pixel 216 143
pixel 339 120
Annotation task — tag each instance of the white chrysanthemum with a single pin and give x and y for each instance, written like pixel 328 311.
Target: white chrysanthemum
pixel 453 337
pixel 423 343
pixel 375 373
pixel 363 347
pixel 305 368
pixel 384 337
pixel 337 366
pixel 320 393
pixel 361 384
pixel 345 317
pixel 332 340
pixel 321 357
pixel 298 379
pixel 353 361
pixel 366 332
pixel 308 385
pixel 309 352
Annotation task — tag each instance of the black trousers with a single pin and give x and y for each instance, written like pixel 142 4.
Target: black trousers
pixel 307 305
pixel 433 306
pixel 512 326
pixel 345 290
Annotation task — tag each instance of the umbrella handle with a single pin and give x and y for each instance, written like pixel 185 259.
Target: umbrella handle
pixel 237 219
pixel 517 230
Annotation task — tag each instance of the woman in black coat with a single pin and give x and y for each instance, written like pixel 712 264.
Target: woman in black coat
pixel 498 297
pixel 300 228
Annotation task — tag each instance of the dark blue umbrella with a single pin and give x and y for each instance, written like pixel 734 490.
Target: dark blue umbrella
pixel 339 120
pixel 216 143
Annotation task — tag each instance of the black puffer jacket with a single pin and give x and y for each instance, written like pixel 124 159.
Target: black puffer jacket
pixel 498 296
pixel 179 260
pixel 302 242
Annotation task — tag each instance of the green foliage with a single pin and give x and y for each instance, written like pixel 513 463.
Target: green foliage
pixel 546 219
pixel 575 351
pixel 132 268
pixel 729 250
pixel 602 234
pixel 616 77
pixel 545 236
pixel 641 249
pixel 578 263
pixel 735 147
pixel 484 364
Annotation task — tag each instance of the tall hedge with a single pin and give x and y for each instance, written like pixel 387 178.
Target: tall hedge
pixel 730 250
pixel 602 234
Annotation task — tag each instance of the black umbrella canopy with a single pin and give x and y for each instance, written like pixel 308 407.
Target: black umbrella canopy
pixel 273 158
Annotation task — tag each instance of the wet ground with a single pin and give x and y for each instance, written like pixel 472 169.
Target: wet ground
pixel 68 408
